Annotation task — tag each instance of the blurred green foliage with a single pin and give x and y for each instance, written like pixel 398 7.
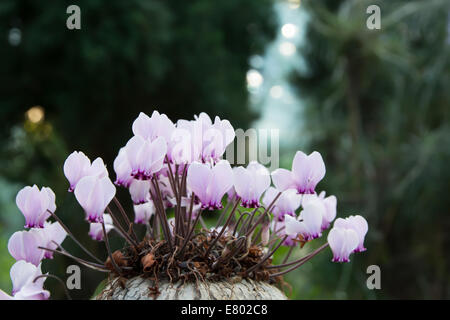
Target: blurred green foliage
pixel 180 58
pixel 377 108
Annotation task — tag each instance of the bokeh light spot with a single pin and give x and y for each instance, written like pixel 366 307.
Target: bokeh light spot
pixel 289 30
pixel 14 37
pixel 294 4
pixel 254 78
pixel 276 92
pixel 287 48
pixel 35 114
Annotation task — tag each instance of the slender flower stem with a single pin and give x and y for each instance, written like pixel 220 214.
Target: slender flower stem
pixel 266 257
pixel 179 219
pixel 92 265
pixel 202 222
pixel 301 261
pixel 171 177
pixel 288 254
pixel 108 248
pixel 257 236
pixel 177 176
pixel 284 265
pixel 120 230
pixel 239 221
pixel 148 230
pixel 124 215
pixel 176 230
pixel 177 195
pixel 223 228
pixel 191 207
pixel 248 222
pixel 179 212
pixel 73 237
pixel 156 227
pixel 163 217
pixel 189 235
pixel 275 231
pixel 239 243
pixel 264 214
pixel 159 198
pixel 250 228
pixel 183 193
pixel 269 244
pixel 59 280
pixel 223 213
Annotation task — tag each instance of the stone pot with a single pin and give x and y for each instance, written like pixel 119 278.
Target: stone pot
pixel 139 288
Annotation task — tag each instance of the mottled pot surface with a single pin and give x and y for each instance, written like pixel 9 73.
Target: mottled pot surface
pixel 139 288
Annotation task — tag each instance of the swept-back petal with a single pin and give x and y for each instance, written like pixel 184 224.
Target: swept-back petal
pixel 199 177
pixel 22 274
pixel 141 126
pixel 242 182
pixel 283 179
pixel 221 182
pixel 75 167
pixel 293 226
pixel 23 245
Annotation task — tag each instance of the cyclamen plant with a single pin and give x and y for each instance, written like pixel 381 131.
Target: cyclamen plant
pixel 177 170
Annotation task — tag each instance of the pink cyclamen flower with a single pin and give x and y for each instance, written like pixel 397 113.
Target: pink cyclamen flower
pixel 23 275
pixel 290 241
pixel 94 194
pixel 278 227
pixel 96 228
pixel 53 235
pixel 231 194
pixel 307 171
pixel 201 139
pixel 269 196
pixel 250 183
pixel 23 245
pixel 145 157
pixel 358 224
pixel 216 137
pixel 78 166
pixel 186 142
pixel 308 226
pixel 140 191
pixel 34 203
pixel 288 202
pixel 150 128
pixel 210 183
pixel 181 147
pixel 330 204
pixel 122 169
pixel 143 212
pixel 342 243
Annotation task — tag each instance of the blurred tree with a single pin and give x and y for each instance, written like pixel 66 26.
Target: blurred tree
pixel 377 107
pixel 129 56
